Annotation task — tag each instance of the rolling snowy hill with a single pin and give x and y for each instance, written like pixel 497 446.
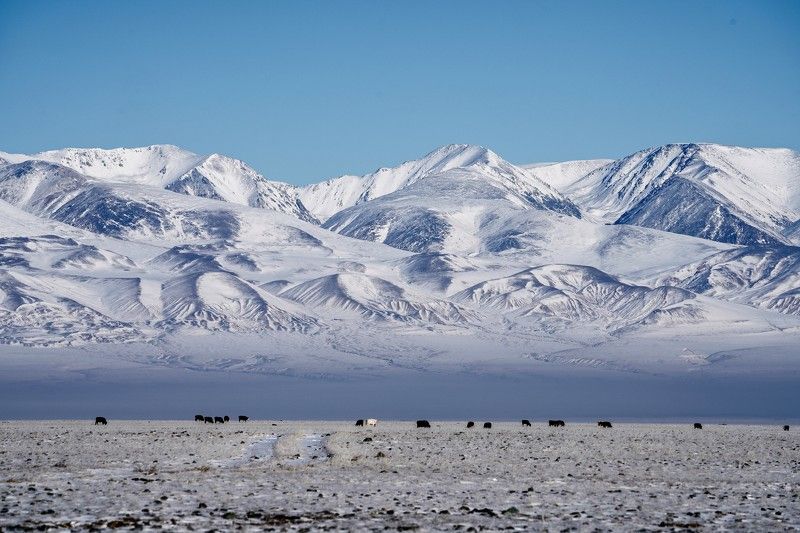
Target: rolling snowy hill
pixel 766 277
pixel 578 294
pixel 374 298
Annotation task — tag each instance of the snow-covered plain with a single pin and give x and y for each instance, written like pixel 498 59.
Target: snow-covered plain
pixel 674 260
pixel 297 475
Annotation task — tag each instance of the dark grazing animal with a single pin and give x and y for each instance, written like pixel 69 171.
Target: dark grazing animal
pixel 219 420
pixel 604 424
pixel 487 425
pixel 470 424
pixel 526 422
pixel 698 425
pixel 100 420
pixel 786 428
pixel 423 424
pixel 360 422
pixel 243 418
pixel 208 420
pixel 226 418
pixel 199 418
pixel 556 423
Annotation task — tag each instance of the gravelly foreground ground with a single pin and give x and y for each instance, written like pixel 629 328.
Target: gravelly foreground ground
pixel 327 475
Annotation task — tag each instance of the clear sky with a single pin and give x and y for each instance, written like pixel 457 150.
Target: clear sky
pixel 309 90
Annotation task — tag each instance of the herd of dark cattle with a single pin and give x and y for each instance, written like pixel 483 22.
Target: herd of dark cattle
pixel 527 423
pixel 218 419
pixel 488 425
pixel 420 423
pixel 197 418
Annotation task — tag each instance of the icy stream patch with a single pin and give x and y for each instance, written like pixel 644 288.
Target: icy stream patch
pixel 259 450
pixel 312 450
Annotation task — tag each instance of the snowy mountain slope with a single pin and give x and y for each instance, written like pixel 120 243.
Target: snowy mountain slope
pixel 327 198
pixel 213 176
pixel 792 233
pixel 765 277
pixel 222 178
pixel 154 166
pixel 374 298
pixel 115 298
pixel 223 301
pixel 445 211
pixel 150 215
pixel 156 220
pixel 434 271
pixel 7 158
pixel 699 214
pixel 187 259
pixel 462 215
pixel 752 193
pixel 431 217
pixel 52 251
pixel 561 175
pixel 61 194
pixel 35 316
pixel 578 294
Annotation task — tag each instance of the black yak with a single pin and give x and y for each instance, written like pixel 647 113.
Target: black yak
pixel 526 422
pixel 219 420
pixel 556 423
pixel 100 420
pixel 243 418
pixel 487 425
pixel 470 424
pixel 199 418
pixel 208 420
pixel 423 424
pixel 226 418
pixel 604 424
pixel 698 425
pixel 360 422
pixel 786 427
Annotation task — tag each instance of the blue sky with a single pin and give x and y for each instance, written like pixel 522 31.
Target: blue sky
pixel 309 90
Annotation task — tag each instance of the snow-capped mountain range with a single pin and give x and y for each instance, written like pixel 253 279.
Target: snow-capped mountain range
pixel 458 258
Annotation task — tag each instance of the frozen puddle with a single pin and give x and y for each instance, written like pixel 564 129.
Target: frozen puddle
pixel 312 450
pixel 262 449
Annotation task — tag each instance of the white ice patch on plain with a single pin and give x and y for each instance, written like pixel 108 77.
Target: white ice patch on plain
pixel 259 450
pixel 312 451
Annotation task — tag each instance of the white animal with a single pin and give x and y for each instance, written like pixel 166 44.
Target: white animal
pixel 372 422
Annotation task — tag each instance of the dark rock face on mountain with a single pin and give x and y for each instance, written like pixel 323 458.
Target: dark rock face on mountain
pixel 679 206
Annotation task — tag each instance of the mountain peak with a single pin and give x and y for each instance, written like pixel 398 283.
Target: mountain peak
pixel 458 156
pixel 325 199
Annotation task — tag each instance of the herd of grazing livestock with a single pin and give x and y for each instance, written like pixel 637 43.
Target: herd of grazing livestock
pixel 218 419
pixel 372 422
pixel 525 423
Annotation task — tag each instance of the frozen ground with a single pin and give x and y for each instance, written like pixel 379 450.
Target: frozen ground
pixel 301 475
